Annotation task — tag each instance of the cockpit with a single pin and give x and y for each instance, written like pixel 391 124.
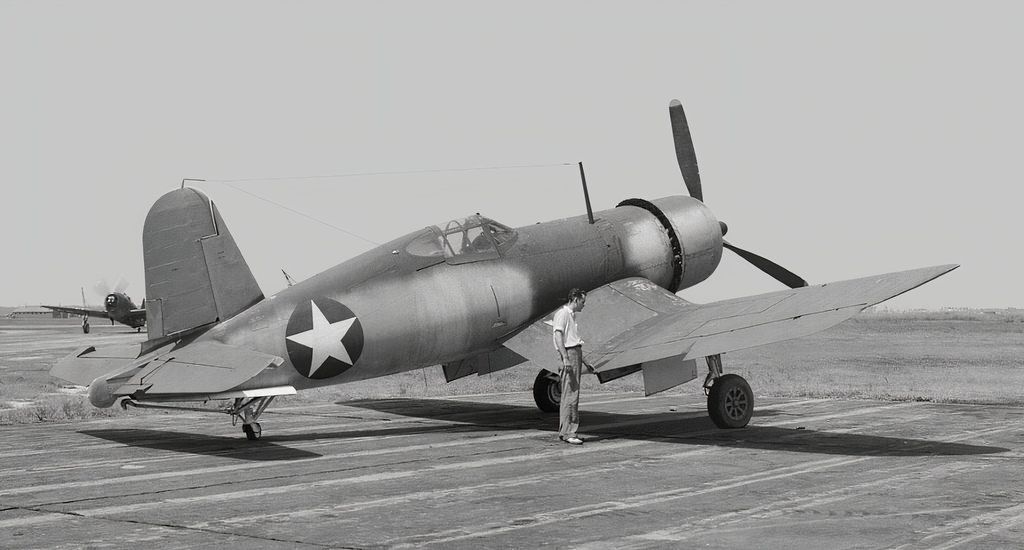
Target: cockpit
pixel 469 239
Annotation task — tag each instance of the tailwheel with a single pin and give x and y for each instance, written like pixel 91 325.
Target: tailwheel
pixel 252 431
pixel 730 402
pixel 547 391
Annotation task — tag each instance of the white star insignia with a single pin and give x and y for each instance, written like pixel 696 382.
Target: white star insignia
pixel 324 339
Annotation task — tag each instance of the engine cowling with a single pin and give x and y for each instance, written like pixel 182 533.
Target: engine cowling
pixel 694 237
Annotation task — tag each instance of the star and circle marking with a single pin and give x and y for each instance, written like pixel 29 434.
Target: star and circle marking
pixel 324 338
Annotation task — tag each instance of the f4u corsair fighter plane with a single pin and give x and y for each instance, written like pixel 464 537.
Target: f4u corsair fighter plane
pixel 471 295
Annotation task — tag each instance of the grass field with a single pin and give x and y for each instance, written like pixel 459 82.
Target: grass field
pixel 968 357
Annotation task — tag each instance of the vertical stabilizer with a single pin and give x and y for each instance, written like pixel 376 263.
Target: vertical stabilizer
pixel 195 274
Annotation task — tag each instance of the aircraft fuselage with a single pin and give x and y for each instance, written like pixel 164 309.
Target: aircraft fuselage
pixel 120 308
pixel 414 310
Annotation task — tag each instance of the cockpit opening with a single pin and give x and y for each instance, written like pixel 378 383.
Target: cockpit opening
pixel 470 239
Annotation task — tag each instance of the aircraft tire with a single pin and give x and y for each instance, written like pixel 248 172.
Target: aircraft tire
pixel 252 431
pixel 547 391
pixel 730 402
pixel 85 328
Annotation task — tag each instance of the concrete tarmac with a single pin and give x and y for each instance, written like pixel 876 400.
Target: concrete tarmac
pixel 488 471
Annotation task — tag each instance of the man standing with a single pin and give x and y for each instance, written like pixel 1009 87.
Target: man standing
pixel 570 348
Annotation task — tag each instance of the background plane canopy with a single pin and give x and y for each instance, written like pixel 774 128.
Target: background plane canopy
pixel 470 239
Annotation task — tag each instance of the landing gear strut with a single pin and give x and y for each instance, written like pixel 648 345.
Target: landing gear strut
pixel 249 411
pixel 730 399
pixel 547 391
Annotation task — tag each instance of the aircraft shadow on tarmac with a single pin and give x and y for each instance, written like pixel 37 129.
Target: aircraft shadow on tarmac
pixel 688 428
pixel 196 443
pixel 270 447
pixel 691 428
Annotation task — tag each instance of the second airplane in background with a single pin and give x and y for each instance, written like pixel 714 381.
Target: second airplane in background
pixel 117 307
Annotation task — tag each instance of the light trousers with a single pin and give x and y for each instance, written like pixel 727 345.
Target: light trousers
pixel 569 406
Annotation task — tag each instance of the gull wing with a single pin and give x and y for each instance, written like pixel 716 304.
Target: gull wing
pixel 700 330
pixel 611 310
pixel 633 322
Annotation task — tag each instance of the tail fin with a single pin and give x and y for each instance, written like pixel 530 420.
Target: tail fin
pixel 195 274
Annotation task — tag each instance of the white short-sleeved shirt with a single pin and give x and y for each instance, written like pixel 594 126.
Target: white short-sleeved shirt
pixel 565 322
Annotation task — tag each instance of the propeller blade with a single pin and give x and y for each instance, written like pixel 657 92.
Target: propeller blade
pixel 121 285
pixel 101 288
pixel 684 150
pixel 771 268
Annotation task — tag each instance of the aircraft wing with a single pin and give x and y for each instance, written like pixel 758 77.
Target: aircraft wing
pixel 699 330
pixel 633 321
pixel 87 363
pixel 201 368
pixel 80 311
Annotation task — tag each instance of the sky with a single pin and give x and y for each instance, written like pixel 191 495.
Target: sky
pixel 838 139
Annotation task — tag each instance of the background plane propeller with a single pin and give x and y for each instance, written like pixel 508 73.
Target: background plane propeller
pixel 103 288
pixel 691 177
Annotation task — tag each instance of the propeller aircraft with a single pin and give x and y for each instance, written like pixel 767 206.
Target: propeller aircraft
pixel 471 295
pixel 117 306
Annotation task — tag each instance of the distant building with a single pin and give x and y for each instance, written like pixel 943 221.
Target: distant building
pixel 36 312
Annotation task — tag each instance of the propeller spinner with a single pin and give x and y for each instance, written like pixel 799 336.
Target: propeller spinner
pixel 687 158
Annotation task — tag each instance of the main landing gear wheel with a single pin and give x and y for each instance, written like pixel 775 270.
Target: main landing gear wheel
pixel 249 412
pixel 85 327
pixel 730 402
pixel 252 431
pixel 547 391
